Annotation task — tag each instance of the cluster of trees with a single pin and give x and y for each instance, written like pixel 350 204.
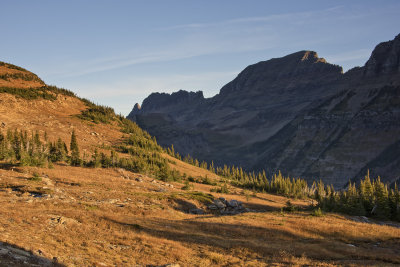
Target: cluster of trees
pixel 188 159
pixel 369 198
pixel 278 184
pixel 142 149
pixel 147 157
pixel 19 147
pixel 98 114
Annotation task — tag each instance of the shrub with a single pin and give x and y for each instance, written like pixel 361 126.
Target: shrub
pixel 289 207
pixel 35 177
pixel 187 186
pixel 317 213
pixel 222 189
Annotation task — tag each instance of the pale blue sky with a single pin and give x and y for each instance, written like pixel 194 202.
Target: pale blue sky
pixel 117 52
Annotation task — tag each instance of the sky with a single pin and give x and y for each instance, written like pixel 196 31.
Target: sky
pixel 116 53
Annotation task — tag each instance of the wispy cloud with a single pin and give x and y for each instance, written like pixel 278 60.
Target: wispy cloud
pixel 190 46
pixel 268 18
pixel 200 39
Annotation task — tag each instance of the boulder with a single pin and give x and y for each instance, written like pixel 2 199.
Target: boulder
pixel 219 204
pixel 224 207
pixel 213 207
pixel 233 203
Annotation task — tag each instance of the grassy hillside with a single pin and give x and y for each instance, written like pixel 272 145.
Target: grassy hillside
pixel 105 217
pixel 128 202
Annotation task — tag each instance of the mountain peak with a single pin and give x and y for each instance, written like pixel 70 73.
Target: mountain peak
pixel 312 56
pixel 385 58
pixel 157 102
pixel 301 66
pixel 137 107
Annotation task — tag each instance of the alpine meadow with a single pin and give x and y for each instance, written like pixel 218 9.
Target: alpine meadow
pixel 295 161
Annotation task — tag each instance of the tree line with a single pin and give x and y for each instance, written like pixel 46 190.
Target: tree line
pixel 30 149
pixel 278 184
pixel 371 197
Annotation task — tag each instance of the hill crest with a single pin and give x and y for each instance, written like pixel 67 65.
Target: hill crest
pixel 17 77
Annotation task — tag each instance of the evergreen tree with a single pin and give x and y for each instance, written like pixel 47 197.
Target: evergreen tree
pixel 75 155
pixel 367 193
pixel 382 202
pixel 96 159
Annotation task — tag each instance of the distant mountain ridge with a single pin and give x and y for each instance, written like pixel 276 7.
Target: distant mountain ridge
pixel 298 114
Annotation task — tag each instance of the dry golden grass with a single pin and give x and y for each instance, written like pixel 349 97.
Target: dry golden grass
pixel 57 118
pixel 190 170
pixel 18 83
pixel 104 217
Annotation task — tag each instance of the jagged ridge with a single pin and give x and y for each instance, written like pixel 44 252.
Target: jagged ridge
pixel 298 114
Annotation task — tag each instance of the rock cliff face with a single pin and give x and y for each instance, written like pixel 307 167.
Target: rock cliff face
pixel 298 114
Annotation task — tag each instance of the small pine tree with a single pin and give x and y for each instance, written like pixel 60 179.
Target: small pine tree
pixel 382 201
pixel 74 148
pixel 96 159
pixel 367 193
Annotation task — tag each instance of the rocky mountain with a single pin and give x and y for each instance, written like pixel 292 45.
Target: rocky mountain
pixel 298 114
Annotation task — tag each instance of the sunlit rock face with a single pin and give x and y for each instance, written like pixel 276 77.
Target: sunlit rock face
pixel 298 114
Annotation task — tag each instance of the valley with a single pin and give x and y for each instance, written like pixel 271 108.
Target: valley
pixel 82 186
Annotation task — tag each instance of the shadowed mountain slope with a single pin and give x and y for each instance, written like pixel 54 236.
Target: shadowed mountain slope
pixel 298 114
pixel 127 212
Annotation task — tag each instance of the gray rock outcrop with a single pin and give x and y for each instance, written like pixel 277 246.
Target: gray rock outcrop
pixel 225 207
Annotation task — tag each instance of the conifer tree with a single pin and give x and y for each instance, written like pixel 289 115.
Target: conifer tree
pixel 75 155
pixel 96 159
pixel 382 203
pixel 367 193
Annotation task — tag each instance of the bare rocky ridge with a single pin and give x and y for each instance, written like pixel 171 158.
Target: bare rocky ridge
pixel 298 114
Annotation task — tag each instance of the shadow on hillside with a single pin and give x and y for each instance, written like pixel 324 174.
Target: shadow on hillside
pixel 264 241
pixel 183 205
pixel 8 166
pixel 12 255
pixel 260 207
pixel 267 242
